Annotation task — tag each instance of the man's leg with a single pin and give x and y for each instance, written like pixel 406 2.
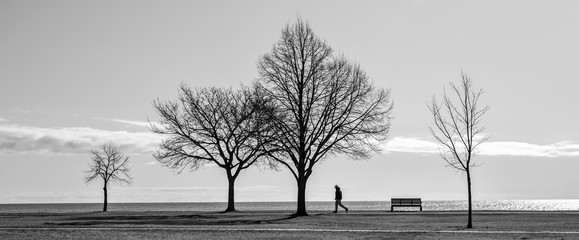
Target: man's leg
pixel 344 207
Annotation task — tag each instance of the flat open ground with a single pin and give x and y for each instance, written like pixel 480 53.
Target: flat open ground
pixel 281 225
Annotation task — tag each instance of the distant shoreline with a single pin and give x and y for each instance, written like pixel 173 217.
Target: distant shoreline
pixel 386 200
pixel 428 205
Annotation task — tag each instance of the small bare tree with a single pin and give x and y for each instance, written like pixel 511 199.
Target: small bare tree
pixel 457 128
pixel 324 105
pixel 212 125
pixel 110 165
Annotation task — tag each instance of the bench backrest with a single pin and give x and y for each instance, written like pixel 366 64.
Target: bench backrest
pixel 406 201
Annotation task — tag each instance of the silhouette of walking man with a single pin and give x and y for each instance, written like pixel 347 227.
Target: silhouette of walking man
pixel 339 199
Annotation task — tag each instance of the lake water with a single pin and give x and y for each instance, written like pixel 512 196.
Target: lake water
pixel 490 205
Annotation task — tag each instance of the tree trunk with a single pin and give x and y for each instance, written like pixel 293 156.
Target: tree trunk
pixel 231 195
pixel 105 203
pixel 469 225
pixel 301 197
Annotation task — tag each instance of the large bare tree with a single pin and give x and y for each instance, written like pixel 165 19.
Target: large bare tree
pixel 457 128
pixel 212 125
pixel 324 105
pixel 110 165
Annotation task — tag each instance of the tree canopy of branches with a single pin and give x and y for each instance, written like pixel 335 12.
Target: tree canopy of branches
pixel 212 125
pixel 324 105
pixel 110 165
pixel 457 128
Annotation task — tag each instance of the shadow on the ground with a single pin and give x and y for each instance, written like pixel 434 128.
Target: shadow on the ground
pixel 191 219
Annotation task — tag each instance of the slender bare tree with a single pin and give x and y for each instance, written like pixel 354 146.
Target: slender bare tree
pixel 324 105
pixel 457 128
pixel 110 165
pixel 212 125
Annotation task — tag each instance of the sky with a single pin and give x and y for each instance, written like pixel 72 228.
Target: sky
pixel 76 74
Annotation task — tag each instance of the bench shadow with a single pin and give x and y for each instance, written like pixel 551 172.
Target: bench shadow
pixel 208 219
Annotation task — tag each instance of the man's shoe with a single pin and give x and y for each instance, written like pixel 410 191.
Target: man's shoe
pixel 335 211
pixel 346 210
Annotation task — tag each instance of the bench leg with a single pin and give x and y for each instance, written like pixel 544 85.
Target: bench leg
pixel 392 209
pixel 421 208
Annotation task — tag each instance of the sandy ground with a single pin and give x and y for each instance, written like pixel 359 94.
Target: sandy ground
pixel 281 225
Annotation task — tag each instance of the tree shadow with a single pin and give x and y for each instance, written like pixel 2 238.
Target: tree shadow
pixel 323 214
pixel 207 219
pixel 459 228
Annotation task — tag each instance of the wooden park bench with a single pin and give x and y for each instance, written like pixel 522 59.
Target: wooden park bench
pixel 405 202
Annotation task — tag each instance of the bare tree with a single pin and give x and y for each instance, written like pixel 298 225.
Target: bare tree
pixel 212 125
pixel 110 165
pixel 457 128
pixel 324 105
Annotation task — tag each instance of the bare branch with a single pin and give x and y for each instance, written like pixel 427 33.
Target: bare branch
pixel 324 104
pixel 210 125
pixel 457 128
pixel 109 164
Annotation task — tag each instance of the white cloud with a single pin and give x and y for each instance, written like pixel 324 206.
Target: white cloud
pixel 559 149
pixel 410 145
pixel 132 123
pixel 151 163
pixel 19 139
pixel 3 120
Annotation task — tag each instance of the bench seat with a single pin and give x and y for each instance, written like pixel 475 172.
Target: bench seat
pixel 405 202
